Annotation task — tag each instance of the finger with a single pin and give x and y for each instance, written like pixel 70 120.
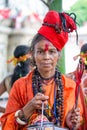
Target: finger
pixel 76 119
pixel 41 97
pixel 75 114
pixel 38 102
pixel 38 107
pixel 39 94
pixel 45 102
pixel 76 109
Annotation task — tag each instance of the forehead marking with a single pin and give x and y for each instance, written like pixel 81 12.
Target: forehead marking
pixel 46 46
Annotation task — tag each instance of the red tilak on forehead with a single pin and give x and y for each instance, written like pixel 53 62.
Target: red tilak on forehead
pixel 46 46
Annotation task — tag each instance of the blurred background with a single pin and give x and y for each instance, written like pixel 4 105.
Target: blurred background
pixel 20 20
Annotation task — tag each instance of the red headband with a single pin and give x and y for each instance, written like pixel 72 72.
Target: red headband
pixel 55 30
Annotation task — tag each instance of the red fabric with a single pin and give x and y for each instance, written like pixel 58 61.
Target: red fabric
pixel 57 39
pixel 70 22
pixel 5 13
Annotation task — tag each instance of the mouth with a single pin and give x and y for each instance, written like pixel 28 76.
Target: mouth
pixel 46 64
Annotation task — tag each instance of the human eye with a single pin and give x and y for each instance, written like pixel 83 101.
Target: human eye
pixel 53 51
pixel 39 51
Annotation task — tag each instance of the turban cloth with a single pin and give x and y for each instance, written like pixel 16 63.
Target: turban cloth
pixel 56 27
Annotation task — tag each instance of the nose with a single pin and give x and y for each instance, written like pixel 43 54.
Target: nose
pixel 46 55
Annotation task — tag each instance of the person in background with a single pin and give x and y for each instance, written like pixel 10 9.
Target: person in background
pixel 83 84
pixel 45 85
pixel 83 59
pixel 22 63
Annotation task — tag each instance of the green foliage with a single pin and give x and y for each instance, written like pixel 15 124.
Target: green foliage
pixel 80 9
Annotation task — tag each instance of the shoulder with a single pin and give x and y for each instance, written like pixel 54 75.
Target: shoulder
pixel 68 82
pixel 23 82
pixel 69 90
pixel 6 82
pixel 72 75
pixel 25 78
pixel 22 87
pixel 8 78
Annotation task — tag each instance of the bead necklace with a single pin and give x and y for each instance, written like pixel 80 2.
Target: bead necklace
pixel 56 113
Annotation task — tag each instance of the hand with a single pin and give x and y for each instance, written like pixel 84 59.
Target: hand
pixel 35 103
pixel 73 118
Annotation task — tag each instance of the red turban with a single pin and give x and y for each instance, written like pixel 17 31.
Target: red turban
pixel 56 27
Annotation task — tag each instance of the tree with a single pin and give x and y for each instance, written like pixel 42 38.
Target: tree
pixel 57 5
pixel 80 9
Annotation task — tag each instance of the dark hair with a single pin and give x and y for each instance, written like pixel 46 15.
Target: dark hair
pixel 84 48
pixel 22 67
pixel 38 37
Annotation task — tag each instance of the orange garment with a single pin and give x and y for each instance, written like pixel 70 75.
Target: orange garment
pixel 22 92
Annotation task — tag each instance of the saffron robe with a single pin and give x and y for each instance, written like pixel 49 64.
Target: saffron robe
pixel 22 92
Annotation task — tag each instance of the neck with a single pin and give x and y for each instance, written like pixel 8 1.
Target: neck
pixel 49 78
pixel 47 75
